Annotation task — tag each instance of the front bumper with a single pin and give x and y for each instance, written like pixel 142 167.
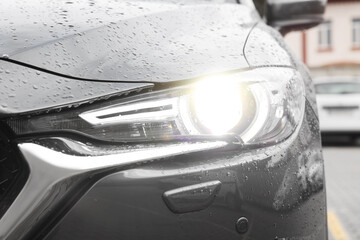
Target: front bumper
pixel 279 190
pixel 339 124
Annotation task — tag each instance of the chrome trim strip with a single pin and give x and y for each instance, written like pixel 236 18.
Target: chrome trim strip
pixel 95 117
pixel 49 167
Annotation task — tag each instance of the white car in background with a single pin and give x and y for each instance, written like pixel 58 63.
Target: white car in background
pixel 338 101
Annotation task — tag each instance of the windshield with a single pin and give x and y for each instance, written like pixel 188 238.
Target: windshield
pixel 338 88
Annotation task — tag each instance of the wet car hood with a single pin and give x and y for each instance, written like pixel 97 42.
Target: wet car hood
pixel 137 40
pixel 116 40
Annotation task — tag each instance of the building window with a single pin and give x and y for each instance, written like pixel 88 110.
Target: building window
pixel 356 33
pixel 325 36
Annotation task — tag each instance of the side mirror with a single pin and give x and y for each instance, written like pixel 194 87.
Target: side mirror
pixel 290 15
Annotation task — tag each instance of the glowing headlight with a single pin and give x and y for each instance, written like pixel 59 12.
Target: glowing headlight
pixel 221 113
pixel 260 105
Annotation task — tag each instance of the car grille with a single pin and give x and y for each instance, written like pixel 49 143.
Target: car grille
pixel 13 174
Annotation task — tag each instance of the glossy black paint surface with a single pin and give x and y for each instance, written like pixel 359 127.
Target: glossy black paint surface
pixel 295 15
pixel 13 172
pixel 23 90
pixel 192 198
pixel 135 43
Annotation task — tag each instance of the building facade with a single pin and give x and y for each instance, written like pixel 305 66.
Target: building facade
pixel 332 48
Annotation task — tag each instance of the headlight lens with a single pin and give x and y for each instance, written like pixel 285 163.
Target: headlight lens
pixel 217 114
pixel 259 106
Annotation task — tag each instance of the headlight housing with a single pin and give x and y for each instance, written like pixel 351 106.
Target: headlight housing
pixel 262 105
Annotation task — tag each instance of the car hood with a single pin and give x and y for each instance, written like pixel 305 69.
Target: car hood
pixel 129 41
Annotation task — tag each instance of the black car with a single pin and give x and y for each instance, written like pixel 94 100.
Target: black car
pixel 158 119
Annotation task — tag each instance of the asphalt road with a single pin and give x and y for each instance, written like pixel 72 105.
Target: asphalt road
pixel 342 173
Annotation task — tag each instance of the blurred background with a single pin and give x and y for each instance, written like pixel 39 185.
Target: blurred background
pixel 332 53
